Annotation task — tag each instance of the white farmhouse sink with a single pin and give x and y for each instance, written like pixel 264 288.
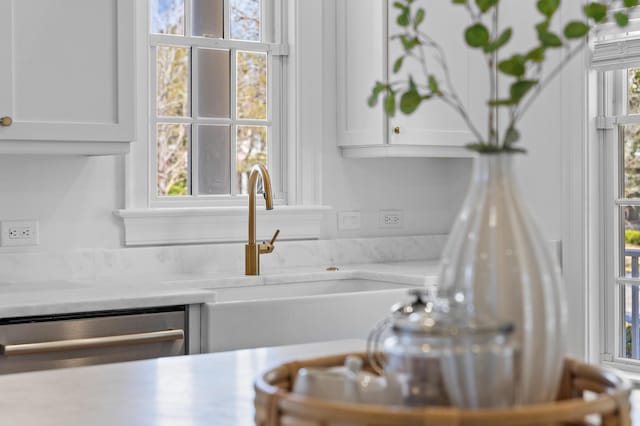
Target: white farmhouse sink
pixel 298 312
pixel 303 289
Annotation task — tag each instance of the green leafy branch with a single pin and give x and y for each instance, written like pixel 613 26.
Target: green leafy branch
pixel 523 70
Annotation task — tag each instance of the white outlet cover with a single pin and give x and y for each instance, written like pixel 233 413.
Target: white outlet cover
pixel 391 219
pixel 348 221
pixel 30 224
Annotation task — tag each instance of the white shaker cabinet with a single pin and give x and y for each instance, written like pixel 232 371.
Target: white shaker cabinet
pixel 365 54
pixel 66 76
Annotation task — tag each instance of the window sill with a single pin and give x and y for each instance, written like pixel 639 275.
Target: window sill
pixel 217 224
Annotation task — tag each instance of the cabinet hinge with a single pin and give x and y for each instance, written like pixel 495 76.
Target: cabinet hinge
pixel 279 49
pixel 606 357
pixel 605 123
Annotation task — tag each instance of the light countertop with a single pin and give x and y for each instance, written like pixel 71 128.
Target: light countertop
pixel 210 389
pixel 153 289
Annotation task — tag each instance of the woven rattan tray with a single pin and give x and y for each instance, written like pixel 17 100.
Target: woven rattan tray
pixel 609 403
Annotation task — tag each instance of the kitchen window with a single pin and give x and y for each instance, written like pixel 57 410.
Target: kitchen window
pixel 217 91
pixel 618 124
pixel 215 98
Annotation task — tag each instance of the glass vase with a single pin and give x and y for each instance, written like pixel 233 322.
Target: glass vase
pixel 496 265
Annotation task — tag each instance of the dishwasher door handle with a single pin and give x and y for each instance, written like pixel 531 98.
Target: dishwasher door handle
pixel 91 343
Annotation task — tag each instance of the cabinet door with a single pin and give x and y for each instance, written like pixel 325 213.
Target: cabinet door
pixel 361 61
pixel 67 71
pixel 434 123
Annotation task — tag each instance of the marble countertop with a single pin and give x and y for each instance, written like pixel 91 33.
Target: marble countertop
pixel 209 389
pixel 162 289
pixel 70 297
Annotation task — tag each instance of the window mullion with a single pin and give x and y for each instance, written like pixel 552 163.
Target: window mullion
pixel 226 20
pixel 188 18
pixel 195 114
pixel 153 124
pixel 233 146
pixel 211 43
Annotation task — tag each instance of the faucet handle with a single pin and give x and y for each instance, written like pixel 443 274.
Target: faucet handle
pixel 268 247
pixel 273 240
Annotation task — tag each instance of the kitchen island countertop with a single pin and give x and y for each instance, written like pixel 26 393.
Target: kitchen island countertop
pixel 209 389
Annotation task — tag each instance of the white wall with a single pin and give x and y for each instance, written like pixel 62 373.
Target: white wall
pixel 73 199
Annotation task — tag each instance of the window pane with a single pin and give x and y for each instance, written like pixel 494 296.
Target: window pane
pixel 172 74
pixel 245 19
pixel 214 160
pixel 167 16
pixel 631 160
pixel 173 159
pixel 214 83
pixel 251 148
pixel 633 78
pixel 631 217
pixel 251 89
pixel 208 18
pixel 631 333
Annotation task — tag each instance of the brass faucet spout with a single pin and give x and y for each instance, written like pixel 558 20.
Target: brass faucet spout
pixel 253 250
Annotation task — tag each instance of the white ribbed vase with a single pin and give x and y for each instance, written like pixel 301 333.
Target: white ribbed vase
pixel 497 266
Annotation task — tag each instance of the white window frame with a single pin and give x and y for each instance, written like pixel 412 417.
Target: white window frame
pixel 611 59
pixel 298 212
pixel 613 97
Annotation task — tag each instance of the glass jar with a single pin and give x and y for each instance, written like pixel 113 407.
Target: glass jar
pixel 435 359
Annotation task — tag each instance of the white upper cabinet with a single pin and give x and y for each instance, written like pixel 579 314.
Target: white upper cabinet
pixel 366 54
pixel 66 76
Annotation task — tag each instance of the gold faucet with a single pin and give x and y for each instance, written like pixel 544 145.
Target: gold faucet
pixel 252 251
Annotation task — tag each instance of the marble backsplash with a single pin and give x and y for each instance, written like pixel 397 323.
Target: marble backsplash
pixel 210 259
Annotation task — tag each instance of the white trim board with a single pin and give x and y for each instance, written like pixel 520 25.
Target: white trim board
pixel 219 224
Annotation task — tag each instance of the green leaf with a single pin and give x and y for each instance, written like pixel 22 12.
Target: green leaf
pixel 542 27
pixel 622 19
pixel 417 20
pixel 412 84
pixel 514 66
pixel 520 88
pixel 549 39
pixel 500 41
pixel 536 55
pixel 596 11
pixel 409 42
pixel 548 7
pixel 500 102
pixel 390 103
pixel 433 85
pixel 404 19
pixel 486 148
pixel 375 93
pixel 630 3
pixel 485 5
pixel 576 29
pixel 477 35
pixel 410 101
pixel 459 1
pixel 511 136
pixel 398 64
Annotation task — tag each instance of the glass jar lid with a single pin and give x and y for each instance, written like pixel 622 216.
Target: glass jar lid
pixel 429 315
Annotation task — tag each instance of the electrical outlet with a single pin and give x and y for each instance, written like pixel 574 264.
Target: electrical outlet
pixel 348 221
pixel 19 233
pixel 391 219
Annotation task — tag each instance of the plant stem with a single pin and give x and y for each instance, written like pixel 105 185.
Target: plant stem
pixel 453 99
pixel 493 77
pixel 542 85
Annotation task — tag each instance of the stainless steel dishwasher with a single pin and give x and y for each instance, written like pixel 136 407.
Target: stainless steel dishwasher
pixel 71 340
